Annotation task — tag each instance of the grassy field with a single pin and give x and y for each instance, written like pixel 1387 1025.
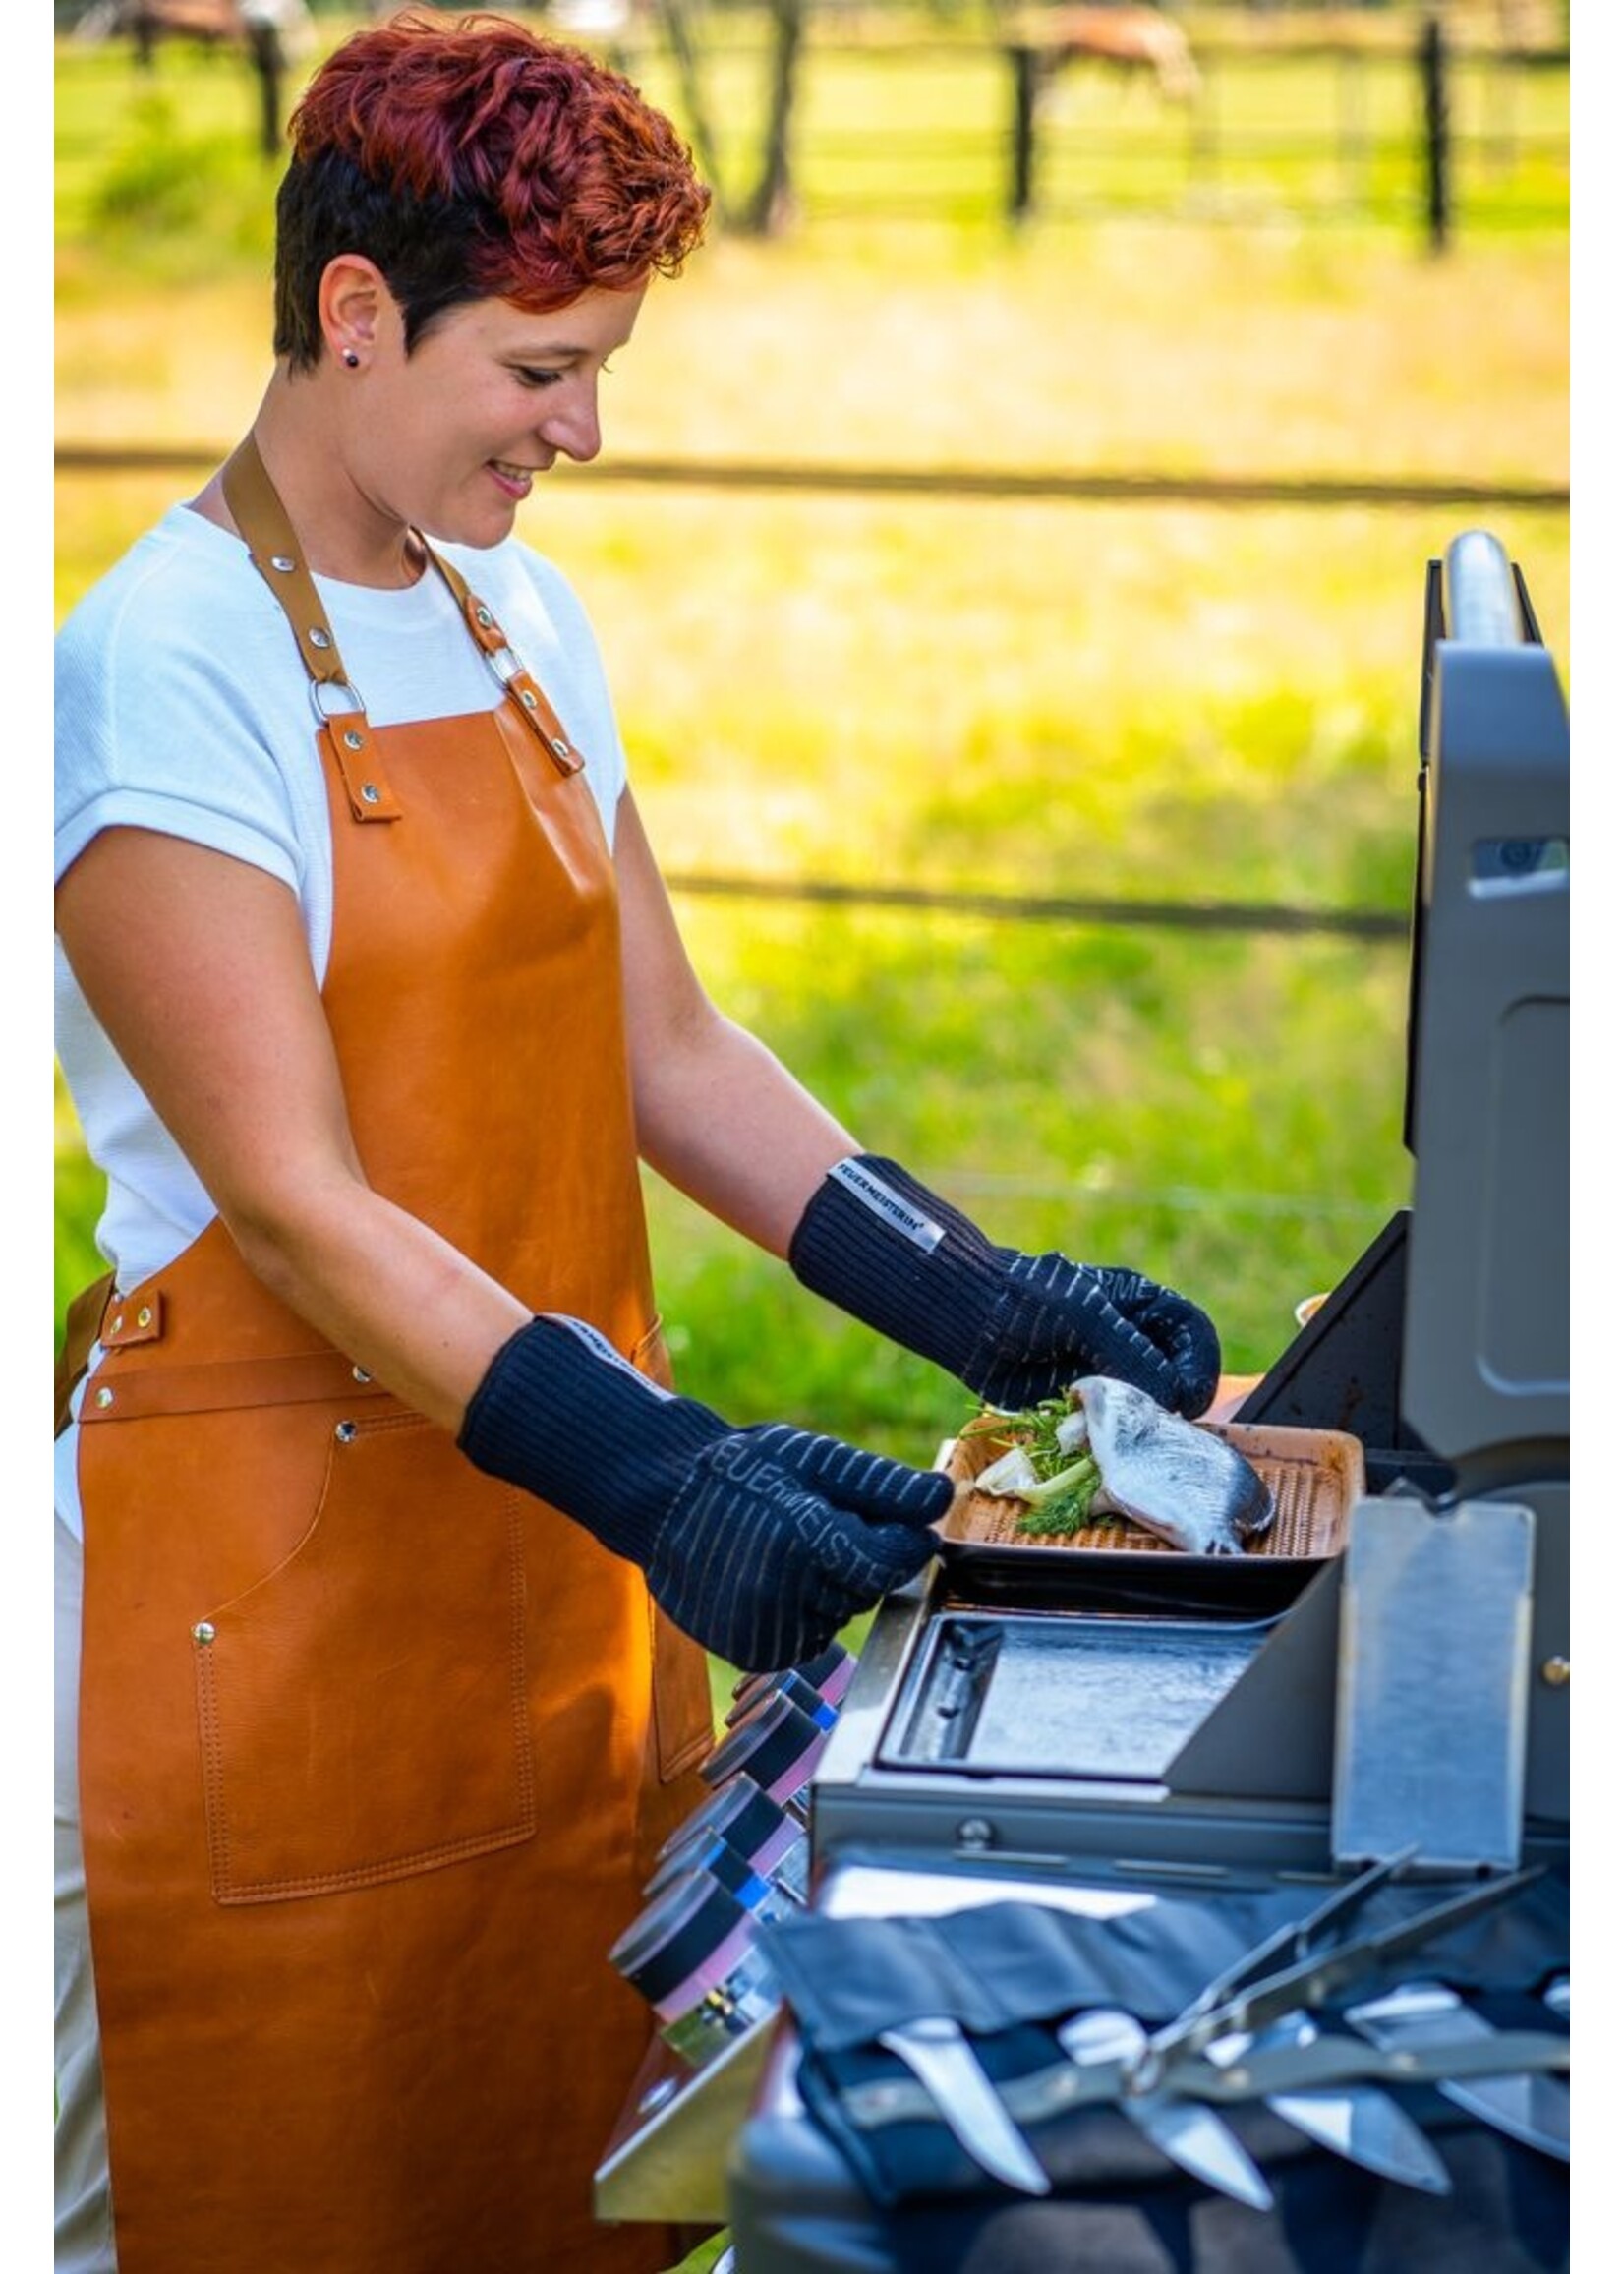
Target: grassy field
pixel 1137 700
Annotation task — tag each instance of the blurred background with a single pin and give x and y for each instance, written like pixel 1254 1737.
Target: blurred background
pixel 1008 551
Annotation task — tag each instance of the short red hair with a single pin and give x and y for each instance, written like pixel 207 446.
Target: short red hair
pixel 484 159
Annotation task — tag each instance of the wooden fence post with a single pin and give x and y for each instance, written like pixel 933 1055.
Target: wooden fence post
pixel 264 48
pixel 1435 99
pixel 1023 64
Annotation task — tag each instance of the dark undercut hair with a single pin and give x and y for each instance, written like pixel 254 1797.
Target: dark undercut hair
pixel 470 160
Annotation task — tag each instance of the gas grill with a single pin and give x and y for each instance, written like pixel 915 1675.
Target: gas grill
pixel 1065 1739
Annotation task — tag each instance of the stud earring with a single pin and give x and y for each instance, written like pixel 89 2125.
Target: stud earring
pixel 352 359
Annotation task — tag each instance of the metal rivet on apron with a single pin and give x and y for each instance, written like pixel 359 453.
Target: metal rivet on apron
pixel 117 1327
pixel 483 618
pixel 280 561
pixel 104 1397
pixel 360 1373
pixel 143 1316
pixel 371 792
pixel 527 698
pixel 202 1632
pixel 353 740
pixel 344 1431
pixel 320 639
pixel 561 745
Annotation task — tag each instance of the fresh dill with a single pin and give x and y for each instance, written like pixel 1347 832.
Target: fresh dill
pixel 1062 1480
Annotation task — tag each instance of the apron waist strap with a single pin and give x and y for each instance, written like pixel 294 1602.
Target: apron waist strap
pixel 314 1378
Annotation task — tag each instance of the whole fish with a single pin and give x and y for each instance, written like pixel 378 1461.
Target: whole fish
pixel 1185 1484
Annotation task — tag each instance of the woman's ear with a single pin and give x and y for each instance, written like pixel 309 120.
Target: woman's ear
pixel 350 303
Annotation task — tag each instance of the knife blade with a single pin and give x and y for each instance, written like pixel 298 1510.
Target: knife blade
pixel 965 2098
pixel 1312 1975
pixel 1358 2121
pixel 1192 2136
pixel 1533 2109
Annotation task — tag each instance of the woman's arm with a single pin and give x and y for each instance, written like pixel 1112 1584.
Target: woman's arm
pixel 208 997
pixel 720 1117
pixel 717 1114
pixel 759 1543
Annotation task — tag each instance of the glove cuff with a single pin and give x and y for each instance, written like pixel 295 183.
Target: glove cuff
pixel 885 1249
pixel 560 1413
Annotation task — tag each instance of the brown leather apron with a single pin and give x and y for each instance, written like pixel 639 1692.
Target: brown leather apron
pixel 376 1751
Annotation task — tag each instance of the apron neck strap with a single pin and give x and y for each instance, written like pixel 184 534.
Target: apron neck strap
pixel 263 522
pixel 521 689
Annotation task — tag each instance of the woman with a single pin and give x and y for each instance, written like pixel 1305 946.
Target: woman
pixel 397 1547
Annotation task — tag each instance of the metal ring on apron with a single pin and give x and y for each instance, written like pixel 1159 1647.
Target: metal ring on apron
pixel 341 710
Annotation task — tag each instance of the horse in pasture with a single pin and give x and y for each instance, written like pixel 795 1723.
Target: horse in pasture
pixel 213 23
pixel 1139 43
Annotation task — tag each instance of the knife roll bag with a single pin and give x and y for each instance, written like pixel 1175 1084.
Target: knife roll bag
pixel 1008 1974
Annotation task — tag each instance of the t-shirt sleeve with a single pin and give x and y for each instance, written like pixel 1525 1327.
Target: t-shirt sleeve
pixel 153 731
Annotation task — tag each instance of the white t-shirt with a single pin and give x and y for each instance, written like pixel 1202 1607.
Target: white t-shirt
pixel 182 705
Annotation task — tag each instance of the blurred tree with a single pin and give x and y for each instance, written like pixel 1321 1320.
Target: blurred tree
pixel 768 203
pixel 676 21
pixel 772 201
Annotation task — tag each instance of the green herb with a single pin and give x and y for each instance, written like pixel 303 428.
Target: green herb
pixel 1062 1502
pixel 1059 1503
pixel 1033 1427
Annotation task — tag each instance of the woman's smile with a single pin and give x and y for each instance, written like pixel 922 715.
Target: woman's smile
pixel 517 480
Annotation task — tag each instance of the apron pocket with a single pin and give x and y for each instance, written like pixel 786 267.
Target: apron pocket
pixel 363 1709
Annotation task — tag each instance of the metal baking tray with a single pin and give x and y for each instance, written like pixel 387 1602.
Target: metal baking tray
pixel 1316 1477
pixel 1024 1695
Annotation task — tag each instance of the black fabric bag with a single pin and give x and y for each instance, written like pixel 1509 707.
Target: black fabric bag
pixel 1010 1972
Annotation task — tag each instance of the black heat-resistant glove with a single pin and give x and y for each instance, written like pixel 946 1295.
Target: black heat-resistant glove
pixel 1013 1327
pixel 759 1543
